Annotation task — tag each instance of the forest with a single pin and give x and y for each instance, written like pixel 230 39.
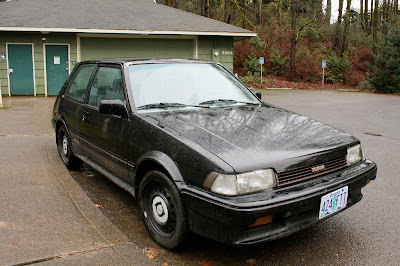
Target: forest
pixel 361 47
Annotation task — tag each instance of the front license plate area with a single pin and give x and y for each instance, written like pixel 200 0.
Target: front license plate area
pixel 333 202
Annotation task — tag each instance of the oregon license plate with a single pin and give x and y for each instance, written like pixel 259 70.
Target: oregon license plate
pixel 333 202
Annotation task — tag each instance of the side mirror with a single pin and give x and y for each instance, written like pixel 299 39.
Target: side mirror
pixel 258 94
pixel 113 107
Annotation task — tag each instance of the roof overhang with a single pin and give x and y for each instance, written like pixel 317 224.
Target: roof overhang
pixel 237 35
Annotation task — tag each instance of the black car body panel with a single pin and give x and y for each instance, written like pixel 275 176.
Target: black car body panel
pixel 190 143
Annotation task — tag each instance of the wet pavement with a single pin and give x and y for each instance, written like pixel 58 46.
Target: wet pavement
pixel 45 215
pixel 367 233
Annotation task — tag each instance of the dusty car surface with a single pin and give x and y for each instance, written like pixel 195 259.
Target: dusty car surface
pixel 202 153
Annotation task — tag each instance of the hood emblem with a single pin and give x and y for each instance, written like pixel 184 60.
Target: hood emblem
pixel 318 168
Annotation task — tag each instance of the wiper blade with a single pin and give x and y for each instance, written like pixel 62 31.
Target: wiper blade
pixel 226 101
pixel 166 105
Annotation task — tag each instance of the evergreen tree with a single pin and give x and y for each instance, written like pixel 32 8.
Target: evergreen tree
pixel 385 76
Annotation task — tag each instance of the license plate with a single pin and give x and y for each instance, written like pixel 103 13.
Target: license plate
pixel 333 202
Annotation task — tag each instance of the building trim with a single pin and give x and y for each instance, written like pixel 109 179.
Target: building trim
pixel 136 32
pixel 33 67
pixel 44 63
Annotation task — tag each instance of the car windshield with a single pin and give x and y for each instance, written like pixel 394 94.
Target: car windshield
pixel 158 87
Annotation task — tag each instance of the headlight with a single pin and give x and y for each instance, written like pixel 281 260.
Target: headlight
pixel 232 185
pixel 354 155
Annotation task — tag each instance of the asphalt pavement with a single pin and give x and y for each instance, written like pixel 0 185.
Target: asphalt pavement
pixel 45 216
pixel 50 215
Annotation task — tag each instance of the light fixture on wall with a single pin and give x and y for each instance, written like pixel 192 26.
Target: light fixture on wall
pixel 43 39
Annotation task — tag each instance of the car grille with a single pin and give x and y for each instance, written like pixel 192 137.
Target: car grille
pixel 305 173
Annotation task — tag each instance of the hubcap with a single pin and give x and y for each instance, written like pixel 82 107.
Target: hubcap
pixel 160 210
pixel 65 145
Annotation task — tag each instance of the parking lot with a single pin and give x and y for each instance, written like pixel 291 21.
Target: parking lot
pixel 367 233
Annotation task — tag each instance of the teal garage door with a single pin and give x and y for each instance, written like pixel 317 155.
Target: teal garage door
pixel 20 68
pixel 103 48
pixel 56 67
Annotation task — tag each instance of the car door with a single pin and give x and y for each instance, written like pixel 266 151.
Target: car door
pixel 72 101
pixel 102 135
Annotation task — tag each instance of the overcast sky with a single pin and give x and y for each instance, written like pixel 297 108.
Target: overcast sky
pixel 335 7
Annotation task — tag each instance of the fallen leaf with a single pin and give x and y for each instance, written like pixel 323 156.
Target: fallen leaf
pixel 150 252
pixel 251 261
pixel 12 244
pixel 204 263
pixel 97 206
pixel 164 264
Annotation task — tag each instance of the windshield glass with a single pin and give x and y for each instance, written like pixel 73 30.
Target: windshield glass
pixel 174 86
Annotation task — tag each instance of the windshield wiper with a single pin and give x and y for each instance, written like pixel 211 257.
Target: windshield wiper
pixel 226 101
pixel 166 105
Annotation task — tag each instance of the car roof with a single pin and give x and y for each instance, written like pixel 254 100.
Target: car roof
pixel 149 61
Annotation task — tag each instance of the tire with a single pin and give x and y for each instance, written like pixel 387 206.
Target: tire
pixel 162 210
pixel 64 149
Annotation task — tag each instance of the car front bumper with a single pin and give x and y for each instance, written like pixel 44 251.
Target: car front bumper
pixel 232 219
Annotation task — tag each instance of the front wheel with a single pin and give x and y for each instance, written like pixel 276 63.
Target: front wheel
pixel 162 210
pixel 65 151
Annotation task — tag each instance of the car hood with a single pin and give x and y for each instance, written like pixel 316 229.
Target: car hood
pixel 249 137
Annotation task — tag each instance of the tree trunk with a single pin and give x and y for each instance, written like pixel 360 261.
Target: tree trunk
pixel 375 29
pixel 396 7
pixel 328 11
pixel 366 17
pixel 293 71
pixel 346 28
pixel 362 14
pixel 338 27
pixel 207 8
pixel 258 4
pixel 371 21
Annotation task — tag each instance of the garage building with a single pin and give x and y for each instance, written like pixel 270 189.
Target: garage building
pixel 42 40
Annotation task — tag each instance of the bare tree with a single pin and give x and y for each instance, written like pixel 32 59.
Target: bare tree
pixel 375 29
pixel 328 11
pixel 346 28
pixel 293 37
pixel 338 26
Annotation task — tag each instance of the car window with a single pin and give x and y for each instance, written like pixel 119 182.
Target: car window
pixel 107 85
pixel 78 84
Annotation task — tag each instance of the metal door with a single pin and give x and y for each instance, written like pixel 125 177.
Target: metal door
pixel 56 68
pixel 20 69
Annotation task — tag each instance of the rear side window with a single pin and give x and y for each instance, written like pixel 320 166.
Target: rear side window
pixel 107 85
pixel 78 84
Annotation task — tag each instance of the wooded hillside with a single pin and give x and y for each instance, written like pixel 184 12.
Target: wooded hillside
pixel 294 36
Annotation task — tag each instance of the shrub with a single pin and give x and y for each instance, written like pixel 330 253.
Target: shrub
pixel 257 43
pixel 337 67
pixel 308 65
pixel 252 64
pixel 279 63
pixel 250 80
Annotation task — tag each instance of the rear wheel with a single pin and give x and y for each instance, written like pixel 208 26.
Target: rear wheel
pixel 162 210
pixel 64 149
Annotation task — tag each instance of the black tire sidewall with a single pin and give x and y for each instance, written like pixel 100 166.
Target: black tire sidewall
pixel 62 131
pixel 180 231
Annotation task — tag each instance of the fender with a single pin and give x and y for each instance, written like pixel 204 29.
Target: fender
pixel 165 161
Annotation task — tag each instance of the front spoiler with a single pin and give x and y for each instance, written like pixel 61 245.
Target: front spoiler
pixel 229 219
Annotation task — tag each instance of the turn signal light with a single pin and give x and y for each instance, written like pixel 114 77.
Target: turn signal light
pixel 262 221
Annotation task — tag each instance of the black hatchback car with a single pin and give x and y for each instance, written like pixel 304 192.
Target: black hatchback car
pixel 203 153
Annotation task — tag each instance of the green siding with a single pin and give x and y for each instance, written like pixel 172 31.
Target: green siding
pixel 96 48
pixel 36 39
pixel 206 46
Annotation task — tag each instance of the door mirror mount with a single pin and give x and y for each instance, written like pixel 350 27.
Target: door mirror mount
pixel 113 107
